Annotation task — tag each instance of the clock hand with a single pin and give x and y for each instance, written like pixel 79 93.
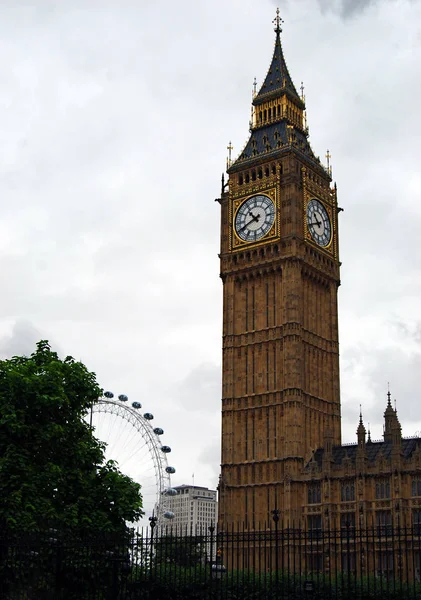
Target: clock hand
pixel 254 218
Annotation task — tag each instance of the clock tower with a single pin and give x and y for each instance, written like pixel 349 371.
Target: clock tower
pixel 280 274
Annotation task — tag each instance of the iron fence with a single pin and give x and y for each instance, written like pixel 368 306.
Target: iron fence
pixel 260 562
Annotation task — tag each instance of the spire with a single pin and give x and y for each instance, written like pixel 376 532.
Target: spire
pixel 361 431
pixel 278 79
pixel 392 427
pixel 389 412
pixel 278 124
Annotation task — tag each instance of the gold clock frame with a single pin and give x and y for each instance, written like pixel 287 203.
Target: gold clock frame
pixel 236 243
pixel 307 233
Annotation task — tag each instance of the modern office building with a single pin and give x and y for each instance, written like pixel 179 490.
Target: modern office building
pixel 195 509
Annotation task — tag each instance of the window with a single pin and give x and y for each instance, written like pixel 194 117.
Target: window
pixel 314 525
pixel 314 562
pixel 384 522
pixel 385 564
pixel 416 487
pixel 382 489
pixel 416 522
pixel 348 562
pixel 347 492
pixel 314 494
pixel 347 525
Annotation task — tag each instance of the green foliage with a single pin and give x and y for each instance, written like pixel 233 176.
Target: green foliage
pixel 52 468
pixel 185 551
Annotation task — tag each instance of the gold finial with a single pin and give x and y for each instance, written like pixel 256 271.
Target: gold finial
pixel 254 87
pixel 302 91
pixel 230 148
pixel 329 166
pixel 277 22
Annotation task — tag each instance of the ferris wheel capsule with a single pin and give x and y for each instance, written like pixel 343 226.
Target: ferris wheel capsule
pixel 171 492
pixel 169 515
pixel 148 416
pixel 149 455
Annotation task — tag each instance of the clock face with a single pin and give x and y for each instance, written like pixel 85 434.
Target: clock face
pixel 318 223
pixel 254 218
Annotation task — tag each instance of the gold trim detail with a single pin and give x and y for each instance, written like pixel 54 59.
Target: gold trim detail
pixel 326 198
pixel 329 214
pixel 236 243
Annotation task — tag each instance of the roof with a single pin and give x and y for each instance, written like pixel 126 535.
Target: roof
pixel 278 78
pixel 268 139
pixel 273 139
pixel 373 451
pixel 192 487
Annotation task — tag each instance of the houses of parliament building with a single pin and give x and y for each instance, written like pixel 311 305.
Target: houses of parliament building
pixel 281 408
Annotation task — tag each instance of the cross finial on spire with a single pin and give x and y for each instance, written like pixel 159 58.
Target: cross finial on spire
pixel 230 148
pixel 302 91
pixel 329 166
pixel 254 87
pixel 277 22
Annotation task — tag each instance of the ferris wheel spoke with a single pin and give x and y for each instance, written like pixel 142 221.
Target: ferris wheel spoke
pixel 132 442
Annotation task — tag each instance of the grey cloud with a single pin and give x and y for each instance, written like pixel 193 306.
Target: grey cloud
pixel 200 390
pixel 21 341
pixel 346 8
pixel 114 139
pixel 396 365
pixel 211 455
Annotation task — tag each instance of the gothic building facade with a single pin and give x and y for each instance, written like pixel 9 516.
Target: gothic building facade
pixel 281 410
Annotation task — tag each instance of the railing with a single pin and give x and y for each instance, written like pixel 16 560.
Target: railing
pixel 266 562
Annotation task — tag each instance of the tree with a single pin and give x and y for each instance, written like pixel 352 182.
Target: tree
pixel 184 551
pixel 52 468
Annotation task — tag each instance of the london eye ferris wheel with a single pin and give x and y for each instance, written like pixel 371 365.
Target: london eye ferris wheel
pixel 135 444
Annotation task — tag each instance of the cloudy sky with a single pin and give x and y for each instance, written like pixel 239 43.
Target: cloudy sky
pixel 115 121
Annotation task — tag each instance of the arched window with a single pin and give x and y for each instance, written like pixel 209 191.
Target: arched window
pixel 314 494
pixel 383 489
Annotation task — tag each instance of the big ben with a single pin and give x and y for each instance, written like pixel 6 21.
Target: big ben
pixel 279 266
